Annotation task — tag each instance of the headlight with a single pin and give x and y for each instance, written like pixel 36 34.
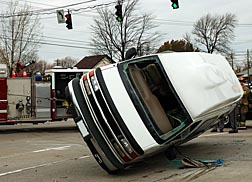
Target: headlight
pixel 86 84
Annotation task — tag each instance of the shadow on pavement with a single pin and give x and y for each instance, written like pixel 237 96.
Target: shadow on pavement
pixel 36 128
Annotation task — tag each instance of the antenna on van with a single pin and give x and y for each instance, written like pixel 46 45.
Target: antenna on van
pixel 130 53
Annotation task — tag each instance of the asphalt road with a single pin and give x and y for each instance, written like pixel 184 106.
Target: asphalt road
pixel 55 152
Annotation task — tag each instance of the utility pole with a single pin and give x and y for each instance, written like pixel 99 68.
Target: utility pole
pixel 248 67
pixel 232 60
pixel 119 14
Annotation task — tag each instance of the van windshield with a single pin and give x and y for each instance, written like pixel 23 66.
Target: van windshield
pixel 154 98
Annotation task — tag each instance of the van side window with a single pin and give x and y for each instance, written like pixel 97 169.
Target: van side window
pixel 154 91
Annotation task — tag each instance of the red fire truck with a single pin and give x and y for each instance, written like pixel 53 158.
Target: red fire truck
pixel 35 99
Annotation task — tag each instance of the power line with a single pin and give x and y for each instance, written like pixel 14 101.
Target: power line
pixel 191 23
pixel 79 53
pixel 64 45
pixel 243 42
pixel 65 6
pixel 54 44
pixel 44 11
pixel 38 3
pixel 70 40
pixel 40 11
pixel 52 10
pixel 174 22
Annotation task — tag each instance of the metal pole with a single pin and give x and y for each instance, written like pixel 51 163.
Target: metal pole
pixel 122 40
pixel 248 67
pixel 232 60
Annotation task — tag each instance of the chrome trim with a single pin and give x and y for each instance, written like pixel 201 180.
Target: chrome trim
pixel 105 119
pixel 95 118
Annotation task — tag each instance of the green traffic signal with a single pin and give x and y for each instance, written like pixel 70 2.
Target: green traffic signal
pixel 175 4
pixel 119 19
pixel 118 13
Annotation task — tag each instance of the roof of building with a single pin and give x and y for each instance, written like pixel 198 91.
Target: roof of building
pixel 245 72
pixel 89 62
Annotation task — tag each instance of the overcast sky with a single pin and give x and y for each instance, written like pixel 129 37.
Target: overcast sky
pixel 172 23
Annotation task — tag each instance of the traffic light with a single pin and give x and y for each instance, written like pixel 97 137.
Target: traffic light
pixel 175 4
pixel 69 21
pixel 118 13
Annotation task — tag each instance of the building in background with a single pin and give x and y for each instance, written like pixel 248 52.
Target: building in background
pixel 91 62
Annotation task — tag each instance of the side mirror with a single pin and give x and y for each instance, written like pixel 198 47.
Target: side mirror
pixel 130 53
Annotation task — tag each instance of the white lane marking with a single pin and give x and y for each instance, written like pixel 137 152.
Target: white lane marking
pixel 83 157
pixel 38 166
pixel 37 151
pixel 53 148
pixel 213 134
pixel 55 144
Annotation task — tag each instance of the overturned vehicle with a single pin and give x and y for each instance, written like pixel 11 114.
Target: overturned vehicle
pixel 134 109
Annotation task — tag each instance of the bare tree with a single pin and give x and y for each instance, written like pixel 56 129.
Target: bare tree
pixel 113 38
pixel 40 66
pixel 215 33
pixel 20 34
pixel 66 62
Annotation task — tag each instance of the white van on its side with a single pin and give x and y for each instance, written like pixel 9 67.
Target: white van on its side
pixel 137 108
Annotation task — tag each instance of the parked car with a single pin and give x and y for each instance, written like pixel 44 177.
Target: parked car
pixel 133 109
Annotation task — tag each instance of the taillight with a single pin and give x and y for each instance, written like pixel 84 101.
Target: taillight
pixel 121 153
pixel 128 148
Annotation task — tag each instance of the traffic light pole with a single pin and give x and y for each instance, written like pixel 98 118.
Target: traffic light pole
pixel 123 46
pixel 248 68
pixel 121 28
